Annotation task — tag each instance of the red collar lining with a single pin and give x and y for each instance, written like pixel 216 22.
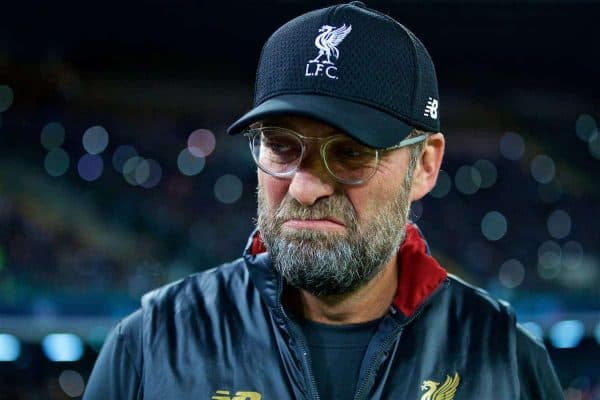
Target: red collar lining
pixel 419 274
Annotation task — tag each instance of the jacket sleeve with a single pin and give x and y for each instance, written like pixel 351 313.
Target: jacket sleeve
pixel 537 377
pixel 117 372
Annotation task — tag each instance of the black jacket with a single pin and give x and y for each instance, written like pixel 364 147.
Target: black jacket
pixel 223 334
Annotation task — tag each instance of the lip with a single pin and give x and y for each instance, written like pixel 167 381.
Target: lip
pixel 322 223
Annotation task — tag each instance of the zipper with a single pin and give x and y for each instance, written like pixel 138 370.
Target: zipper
pixel 299 337
pixel 372 370
pixel 362 390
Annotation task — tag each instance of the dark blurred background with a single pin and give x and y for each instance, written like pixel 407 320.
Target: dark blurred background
pixel 116 175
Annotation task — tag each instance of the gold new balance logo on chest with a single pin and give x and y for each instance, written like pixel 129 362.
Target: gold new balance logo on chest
pixel 226 395
pixel 445 391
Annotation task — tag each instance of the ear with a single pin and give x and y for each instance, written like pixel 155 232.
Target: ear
pixel 428 166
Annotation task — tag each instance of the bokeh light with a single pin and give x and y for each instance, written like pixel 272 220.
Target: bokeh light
pixel 6 97
pixel 580 273
pixel 549 260
pixel 586 128
pixel 228 189
pixel 148 173
pixel 559 224
pixel 467 180
pixel 53 135
pixel 201 143
pixel 566 334
pixel 543 169
pixel 534 329
pixel 511 274
pixel 487 171
pixel 130 168
pixel 56 162
pixel 142 172
pixel 155 175
pixel 95 140
pixel 61 347
pixel 442 186
pixel 10 347
pixel 189 164
pixel 494 226
pixel 512 146
pixel 90 167
pixel 71 382
pixel 121 155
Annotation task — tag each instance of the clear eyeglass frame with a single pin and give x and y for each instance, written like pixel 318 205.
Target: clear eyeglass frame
pixel 325 142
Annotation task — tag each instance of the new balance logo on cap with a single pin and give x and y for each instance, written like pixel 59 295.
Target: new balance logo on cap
pixel 327 42
pixel 431 109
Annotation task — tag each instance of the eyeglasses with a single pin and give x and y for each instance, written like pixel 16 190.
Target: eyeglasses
pixel 279 152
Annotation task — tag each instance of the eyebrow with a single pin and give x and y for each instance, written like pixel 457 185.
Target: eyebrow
pixel 284 124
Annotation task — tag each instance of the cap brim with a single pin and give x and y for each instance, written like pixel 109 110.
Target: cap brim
pixel 368 125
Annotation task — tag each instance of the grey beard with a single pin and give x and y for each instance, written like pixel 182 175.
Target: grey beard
pixel 326 263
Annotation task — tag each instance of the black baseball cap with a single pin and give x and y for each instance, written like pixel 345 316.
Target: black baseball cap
pixel 352 67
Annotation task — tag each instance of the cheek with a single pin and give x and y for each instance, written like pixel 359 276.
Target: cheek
pixel 274 190
pixel 362 200
pixel 369 200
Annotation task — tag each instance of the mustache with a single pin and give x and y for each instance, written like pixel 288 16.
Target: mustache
pixel 336 207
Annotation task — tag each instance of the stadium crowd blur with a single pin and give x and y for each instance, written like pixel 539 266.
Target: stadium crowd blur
pixel 117 177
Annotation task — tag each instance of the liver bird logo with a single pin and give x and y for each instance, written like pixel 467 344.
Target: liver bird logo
pixel 444 392
pixel 328 40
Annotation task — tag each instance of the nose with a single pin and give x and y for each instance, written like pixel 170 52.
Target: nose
pixel 311 183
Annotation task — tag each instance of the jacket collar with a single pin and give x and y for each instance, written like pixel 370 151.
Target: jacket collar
pixel 419 273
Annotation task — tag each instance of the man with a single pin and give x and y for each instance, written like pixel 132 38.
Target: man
pixel 336 296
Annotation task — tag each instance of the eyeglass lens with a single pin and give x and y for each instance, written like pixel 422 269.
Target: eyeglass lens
pixel 279 152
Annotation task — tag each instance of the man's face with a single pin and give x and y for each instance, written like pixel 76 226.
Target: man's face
pixel 326 237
